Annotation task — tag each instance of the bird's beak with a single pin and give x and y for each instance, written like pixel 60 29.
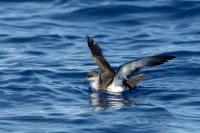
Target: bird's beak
pixel 84 80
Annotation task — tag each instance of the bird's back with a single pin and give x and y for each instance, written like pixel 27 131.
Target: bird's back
pixel 106 80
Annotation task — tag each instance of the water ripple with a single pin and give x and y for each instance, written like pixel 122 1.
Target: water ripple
pixel 44 56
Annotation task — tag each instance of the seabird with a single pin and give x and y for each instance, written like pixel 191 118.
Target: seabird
pixel 108 80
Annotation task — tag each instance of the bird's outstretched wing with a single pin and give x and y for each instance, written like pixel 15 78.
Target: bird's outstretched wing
pixel 133 81
pixel 98 57
pixel 133 66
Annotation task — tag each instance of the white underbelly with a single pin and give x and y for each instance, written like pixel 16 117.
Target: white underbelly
pixel 115 88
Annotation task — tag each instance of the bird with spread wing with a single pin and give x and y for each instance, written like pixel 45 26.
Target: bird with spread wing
pixel 109 80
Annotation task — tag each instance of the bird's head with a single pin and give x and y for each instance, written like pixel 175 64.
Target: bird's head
pixel 92 76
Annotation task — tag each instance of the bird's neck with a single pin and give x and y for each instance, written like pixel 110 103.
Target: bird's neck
pixel 95 84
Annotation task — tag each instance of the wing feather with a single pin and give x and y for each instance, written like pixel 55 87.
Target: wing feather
pixel 99 58
pixel 133 66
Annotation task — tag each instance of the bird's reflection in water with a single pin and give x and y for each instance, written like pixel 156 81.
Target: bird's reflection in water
pixel 102 100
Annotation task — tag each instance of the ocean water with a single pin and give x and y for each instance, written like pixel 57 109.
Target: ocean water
pixel 44 56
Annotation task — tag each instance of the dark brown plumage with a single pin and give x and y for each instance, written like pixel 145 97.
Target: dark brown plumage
pixel 107 74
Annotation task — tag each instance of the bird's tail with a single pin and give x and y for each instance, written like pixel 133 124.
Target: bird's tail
pixel 133 81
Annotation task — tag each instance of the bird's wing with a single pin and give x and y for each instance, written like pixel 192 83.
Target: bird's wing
pixel 98 57
pixel 133 66
pixel 133 81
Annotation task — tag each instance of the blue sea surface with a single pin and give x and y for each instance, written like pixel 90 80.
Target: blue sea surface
pixel 44 56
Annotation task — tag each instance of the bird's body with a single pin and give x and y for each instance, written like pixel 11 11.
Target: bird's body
pixel 111 81
pixel 117 86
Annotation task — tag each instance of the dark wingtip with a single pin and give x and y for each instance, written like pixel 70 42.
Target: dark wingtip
pixel 94 47
pixel 170 57
pixel 173 57
pixel 159 59
pixel 90 39
pixel 91 43
pixel 166 58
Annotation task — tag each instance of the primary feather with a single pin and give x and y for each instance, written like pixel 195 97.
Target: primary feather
pixel 133 66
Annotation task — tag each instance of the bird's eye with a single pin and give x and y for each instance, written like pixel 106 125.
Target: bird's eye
pixel 90 76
